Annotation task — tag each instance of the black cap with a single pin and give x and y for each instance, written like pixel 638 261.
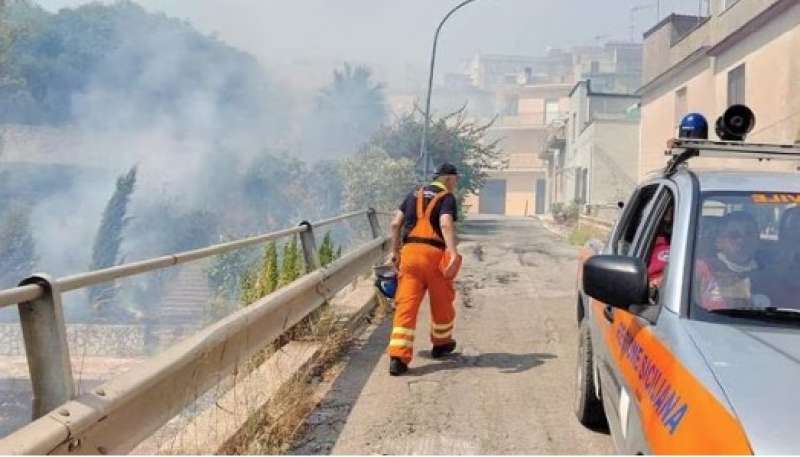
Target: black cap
pixel 446 169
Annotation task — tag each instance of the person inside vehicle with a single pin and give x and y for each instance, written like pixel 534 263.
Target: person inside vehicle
pixel 659 256
pixel 724 279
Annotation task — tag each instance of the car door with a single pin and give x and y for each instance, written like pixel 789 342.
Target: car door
pixel 627 330
pixel 622 242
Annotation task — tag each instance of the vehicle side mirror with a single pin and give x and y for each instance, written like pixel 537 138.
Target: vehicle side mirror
pixel 616 280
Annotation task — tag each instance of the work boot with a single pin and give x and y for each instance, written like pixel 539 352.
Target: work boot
pixel 443 349
pixel 397 367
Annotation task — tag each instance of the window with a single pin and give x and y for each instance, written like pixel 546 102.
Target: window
pixel 736 86
pixel 656 244
pixel 550 111
pixel 681 105
pixel 747 255
pixel 632 218
pixel 652 224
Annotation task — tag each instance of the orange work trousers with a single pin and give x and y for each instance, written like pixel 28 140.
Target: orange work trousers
pixel 420 272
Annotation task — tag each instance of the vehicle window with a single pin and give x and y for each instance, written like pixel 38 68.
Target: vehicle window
pixel 747 251
pixel 632 219
pixel 657 246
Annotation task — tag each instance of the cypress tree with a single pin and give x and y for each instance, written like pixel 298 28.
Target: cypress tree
pixel 292 264
pixel 105 252
pixel 268 279
pixel 247 286
pixel 326 254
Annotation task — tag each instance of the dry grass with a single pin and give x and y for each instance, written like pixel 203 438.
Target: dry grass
pixel 580 234
pixel 275 429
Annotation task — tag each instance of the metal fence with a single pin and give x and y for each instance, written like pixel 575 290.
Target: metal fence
pixel 117 415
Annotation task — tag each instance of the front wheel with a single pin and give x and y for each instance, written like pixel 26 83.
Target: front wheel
pixel 588 408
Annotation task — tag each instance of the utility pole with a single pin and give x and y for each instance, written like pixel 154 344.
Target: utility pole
pixel 424 156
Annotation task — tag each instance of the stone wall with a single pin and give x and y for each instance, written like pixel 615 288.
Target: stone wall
pixel 84 339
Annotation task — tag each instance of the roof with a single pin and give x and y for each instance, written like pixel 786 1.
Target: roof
pixel 669 19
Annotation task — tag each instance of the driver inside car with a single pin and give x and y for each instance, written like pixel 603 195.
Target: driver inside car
pixel 724 279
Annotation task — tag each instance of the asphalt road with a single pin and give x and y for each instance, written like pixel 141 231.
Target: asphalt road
pixel 509 387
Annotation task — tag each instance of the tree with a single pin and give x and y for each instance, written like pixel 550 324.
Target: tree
pixel 164 227
pixel 274 188
pixel 264 278
pixel 247 286
pixel 116 65
pixel 348 111
pixel 269 275
pixel 17 249
pixel 226 273
pixel 372 178
pixel 327 254
pixel 106 249
pixel 452 138
pixel 325 186
pixel 292 264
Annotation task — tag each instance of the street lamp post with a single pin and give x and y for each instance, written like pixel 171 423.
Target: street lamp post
pixel 423 150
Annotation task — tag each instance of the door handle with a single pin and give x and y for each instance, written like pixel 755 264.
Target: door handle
pixel 608 313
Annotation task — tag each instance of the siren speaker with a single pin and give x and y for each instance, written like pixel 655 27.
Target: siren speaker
pixel 735 123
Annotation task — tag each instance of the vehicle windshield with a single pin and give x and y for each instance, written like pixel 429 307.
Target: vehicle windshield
pixel 747 255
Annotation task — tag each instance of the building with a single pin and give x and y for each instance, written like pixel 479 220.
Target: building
pixel 519 189
pixel 745 51
pixel 615 67
pixel 492 71
pixel 531 99
pixel 592 159
pixel 457 93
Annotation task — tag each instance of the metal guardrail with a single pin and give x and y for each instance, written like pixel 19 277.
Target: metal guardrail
pixel 119 414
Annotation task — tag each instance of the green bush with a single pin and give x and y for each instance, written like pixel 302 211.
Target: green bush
pixel 565 213
pixel 581 234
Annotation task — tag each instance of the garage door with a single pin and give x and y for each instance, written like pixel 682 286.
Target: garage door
pixel 493 197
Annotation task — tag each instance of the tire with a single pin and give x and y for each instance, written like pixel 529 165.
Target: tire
pixel 588 408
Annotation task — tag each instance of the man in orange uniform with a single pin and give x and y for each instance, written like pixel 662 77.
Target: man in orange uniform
pixel 425 228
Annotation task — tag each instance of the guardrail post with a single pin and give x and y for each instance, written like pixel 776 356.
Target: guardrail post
pixel 309 244
pixel 372 215
pixel 46 347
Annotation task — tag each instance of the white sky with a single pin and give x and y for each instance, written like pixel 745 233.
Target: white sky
pixel 394 36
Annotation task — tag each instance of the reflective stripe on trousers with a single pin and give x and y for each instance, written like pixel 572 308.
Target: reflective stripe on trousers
pixel 419 272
